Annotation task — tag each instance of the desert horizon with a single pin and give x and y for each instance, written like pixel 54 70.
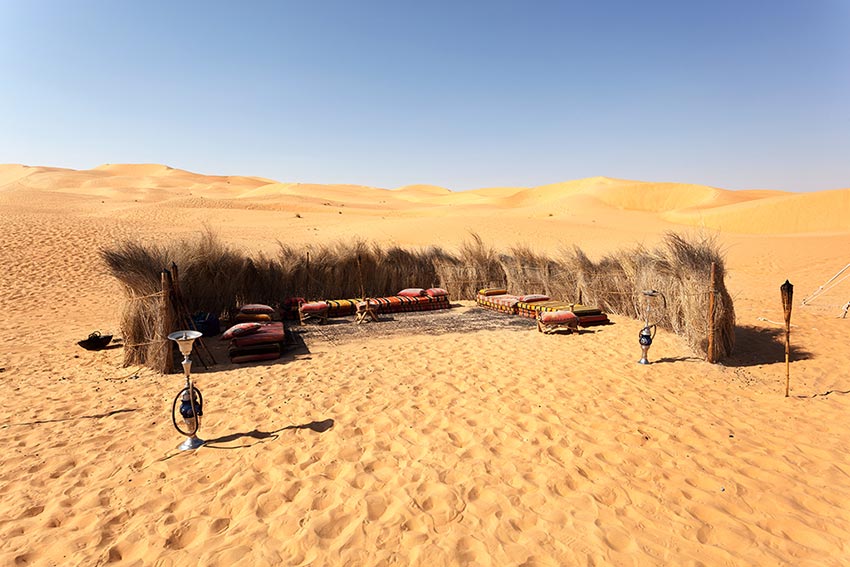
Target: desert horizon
pixel 463 439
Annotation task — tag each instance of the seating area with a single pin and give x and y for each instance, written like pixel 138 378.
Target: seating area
pixel 255 336
pixel 550 314
pixel 407 300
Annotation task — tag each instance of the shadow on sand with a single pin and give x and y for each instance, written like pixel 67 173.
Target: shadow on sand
pixel 762 345
pixel 263 436
pixel 61 419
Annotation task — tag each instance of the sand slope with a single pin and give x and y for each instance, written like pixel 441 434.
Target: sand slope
pixel 483 447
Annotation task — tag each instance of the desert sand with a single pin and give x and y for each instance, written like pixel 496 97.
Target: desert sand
pixel 491 447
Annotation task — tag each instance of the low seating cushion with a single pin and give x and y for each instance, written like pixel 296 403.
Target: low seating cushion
pixel 493 291
pixel 531 298
pixel 241 330
pixel 257 317
pixel 558 318
pixel 411 292
pixel 436 292
pixel 314 307
pixel 341 307
pixel 256 309
pixel 269 333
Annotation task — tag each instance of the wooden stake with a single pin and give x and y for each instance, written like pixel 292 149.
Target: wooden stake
pixel 712 292
pixel 186 318
pixel 167 362
pixel 787 291
pixel 307 275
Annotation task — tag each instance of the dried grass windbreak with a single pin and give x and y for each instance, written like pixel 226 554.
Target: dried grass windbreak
pixel 216 278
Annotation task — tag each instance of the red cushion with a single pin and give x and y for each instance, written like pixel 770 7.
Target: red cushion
pixel 270 333
pixel 436 292
pixel 256 309
pixel 241 330
pixel 411 292
pixel 531 298
pixel 314 307
pixel 559 318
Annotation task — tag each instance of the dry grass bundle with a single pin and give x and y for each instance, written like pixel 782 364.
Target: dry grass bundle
pixel 476 266
pixel 216 279
pixel 680 268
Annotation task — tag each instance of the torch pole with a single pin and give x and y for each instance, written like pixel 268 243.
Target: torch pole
pixel 787 291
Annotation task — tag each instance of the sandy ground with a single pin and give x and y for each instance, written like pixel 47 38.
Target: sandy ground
pixel 412 445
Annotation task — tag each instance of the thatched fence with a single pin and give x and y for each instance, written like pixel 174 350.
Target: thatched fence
pixel 216 278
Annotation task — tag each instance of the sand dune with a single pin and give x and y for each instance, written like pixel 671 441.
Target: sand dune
pixel 376 447
pixel 745 212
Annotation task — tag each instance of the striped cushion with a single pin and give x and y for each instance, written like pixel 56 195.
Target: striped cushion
pixel 401 304
pixel 436 292
pixel 505 303
pixel 526 309
pixel 254 357
pixel 341 307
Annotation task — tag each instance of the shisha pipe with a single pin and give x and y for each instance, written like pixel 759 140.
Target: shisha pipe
pixel 191 400
pixel 647 334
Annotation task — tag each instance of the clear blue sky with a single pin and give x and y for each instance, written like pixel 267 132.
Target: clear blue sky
pixel 732 93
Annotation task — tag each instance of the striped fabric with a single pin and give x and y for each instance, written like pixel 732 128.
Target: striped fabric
pixel 401 304
pixel 341 307
pixel 530 310
pixel 391 304
pixel 261 345
pixel 505 303
pixel 586 315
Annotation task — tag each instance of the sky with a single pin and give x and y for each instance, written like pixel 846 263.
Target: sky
pixel 737 94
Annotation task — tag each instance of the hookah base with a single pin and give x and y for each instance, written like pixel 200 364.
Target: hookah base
pixel 191 443
pixel 643 361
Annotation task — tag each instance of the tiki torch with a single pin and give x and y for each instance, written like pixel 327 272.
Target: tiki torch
pixel 787 291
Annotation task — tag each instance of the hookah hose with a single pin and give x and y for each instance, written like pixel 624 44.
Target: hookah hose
pixel 192 391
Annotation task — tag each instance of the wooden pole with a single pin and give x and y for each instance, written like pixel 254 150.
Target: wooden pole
pixel 167 362
pixel 360 277
pixel 186 318
pixel 787 291
pixel 307 276
pixel 712 293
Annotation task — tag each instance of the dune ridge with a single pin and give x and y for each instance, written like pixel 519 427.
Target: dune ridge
pixel 745 212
